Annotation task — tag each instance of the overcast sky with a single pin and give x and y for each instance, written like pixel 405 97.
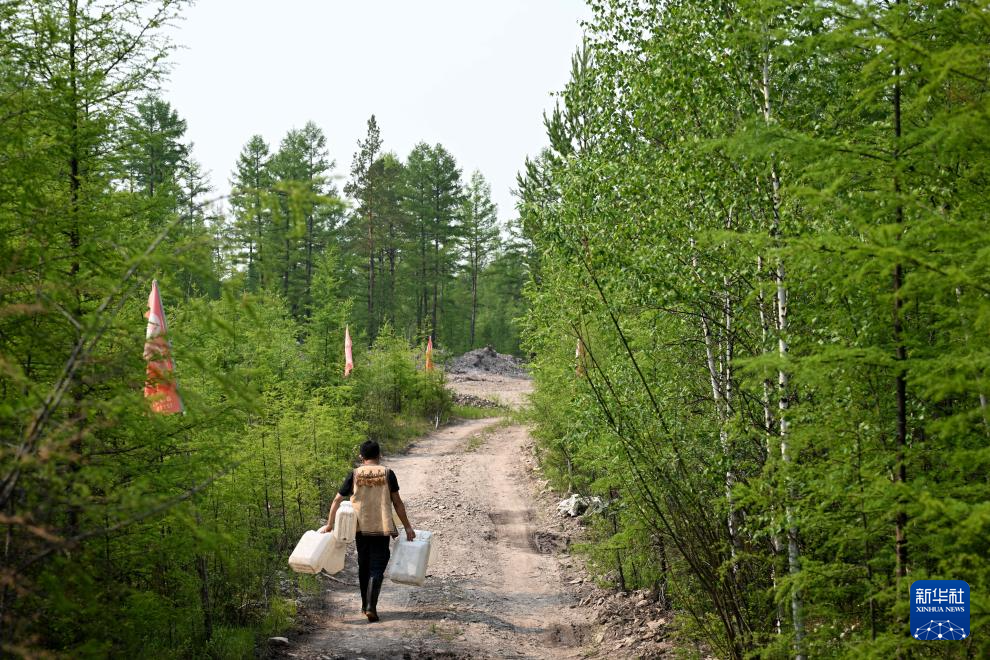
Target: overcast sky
pixel 473 76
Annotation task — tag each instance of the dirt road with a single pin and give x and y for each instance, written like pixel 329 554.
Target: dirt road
pixel 491 592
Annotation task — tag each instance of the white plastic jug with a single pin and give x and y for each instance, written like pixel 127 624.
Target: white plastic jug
pixel 345 524
pixel 410 558
pixel 333 559
pixel 308 557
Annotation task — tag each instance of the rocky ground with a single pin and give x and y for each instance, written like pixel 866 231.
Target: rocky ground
pixel 502 582
pixel 483 378
pixel 486 361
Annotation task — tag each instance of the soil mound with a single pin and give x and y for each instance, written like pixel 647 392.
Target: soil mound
pixel 487 360
pixel 475 401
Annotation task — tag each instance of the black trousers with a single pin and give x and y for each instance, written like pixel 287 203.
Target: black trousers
pixel 373 555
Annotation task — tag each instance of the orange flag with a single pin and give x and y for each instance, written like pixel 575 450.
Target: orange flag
pixel 161 386
pixel 429 354
pixel 348 356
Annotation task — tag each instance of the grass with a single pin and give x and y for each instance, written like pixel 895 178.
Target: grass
pixel 475 441
pixel 402 430
pixel 473 412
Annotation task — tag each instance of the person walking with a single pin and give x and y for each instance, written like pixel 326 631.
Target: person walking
pixel 374 491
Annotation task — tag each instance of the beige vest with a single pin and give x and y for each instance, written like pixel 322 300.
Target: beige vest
pixel 372 501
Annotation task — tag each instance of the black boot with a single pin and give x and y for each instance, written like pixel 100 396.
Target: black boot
pixel 364 594
pixel 374 589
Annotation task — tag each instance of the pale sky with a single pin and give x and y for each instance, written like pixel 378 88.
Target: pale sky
pixel 473 76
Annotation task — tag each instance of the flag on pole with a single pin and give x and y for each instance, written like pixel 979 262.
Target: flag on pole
pixel 429 354
pixel 161 386
pixel 348 356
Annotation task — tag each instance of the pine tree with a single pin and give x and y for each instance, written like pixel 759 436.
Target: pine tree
pixel 479 226
pixel 362 187
pixel 501 290
pixel 304 213
pixel 76 70
pixel 251 187
pixel 390 192
pixel 153 147
pixel 433 203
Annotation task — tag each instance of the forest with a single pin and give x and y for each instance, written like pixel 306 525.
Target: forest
pixel 763 225
pixel 750 272
pixel 128 534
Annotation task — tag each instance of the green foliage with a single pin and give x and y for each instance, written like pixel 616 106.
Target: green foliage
pixel 230 644
pixel 761 223
pixel 422 251
pixel 471 412
pixel 128 533
pixel 394 392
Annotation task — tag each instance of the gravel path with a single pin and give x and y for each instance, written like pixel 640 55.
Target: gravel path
pixel 491 592
pixel 503 390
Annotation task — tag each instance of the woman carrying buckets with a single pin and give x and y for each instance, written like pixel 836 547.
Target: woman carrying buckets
pixel 373 490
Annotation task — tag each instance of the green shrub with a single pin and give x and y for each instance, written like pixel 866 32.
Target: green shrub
pixel 231 644
pixel 394 396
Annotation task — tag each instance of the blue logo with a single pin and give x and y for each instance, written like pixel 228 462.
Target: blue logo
pixel 939 610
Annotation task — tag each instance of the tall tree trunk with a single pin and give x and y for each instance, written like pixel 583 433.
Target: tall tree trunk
pixel 259 226
pixel 793 550
pixel 391 252
pixel 436 286
pixel 371 274
pixel 421 306
pixel 474 301
pixel 288 257
pixel 727 443
pixel 768 424
pixel 310 239
pixel 716 375
pixel 204 588
pixel 900 380
pixel 75 233
pixel 310 230
pixel 281 482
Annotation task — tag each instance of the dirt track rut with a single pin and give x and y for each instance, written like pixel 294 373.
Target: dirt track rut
pixel 490 593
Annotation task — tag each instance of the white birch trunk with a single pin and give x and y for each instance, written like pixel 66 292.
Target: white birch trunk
pixel 727 393
pixel 793 551
pixel 719 373
pixel 768 426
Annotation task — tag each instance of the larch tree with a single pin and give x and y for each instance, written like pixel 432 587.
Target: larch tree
pixel 759 219
pixel 439 226
pixel 154 146
pixel 389 191
pixel 363 188
pixel 479 235
pixel 99 195
pixel 251 186
pixel 306 216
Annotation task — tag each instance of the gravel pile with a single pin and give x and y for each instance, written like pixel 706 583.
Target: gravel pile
pixel 475 401
pixel 487 360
